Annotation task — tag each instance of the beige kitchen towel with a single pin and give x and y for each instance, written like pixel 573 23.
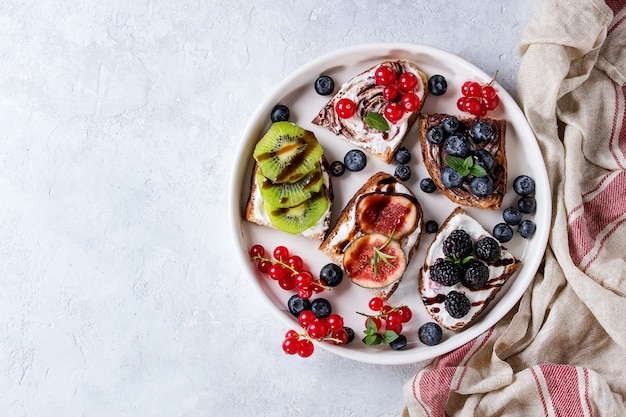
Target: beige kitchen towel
pixel 562 350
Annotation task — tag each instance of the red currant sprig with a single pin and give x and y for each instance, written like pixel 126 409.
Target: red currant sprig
pixel 288 269
pixel 478 99
pixel 330 329
pixel 386 325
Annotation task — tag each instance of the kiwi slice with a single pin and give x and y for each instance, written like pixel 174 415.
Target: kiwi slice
pixel 287 152
pixel 297 219
pixel 290 194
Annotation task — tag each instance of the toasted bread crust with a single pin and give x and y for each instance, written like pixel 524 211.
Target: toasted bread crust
pixel 435 305
pixel 255 203
pixel 375 142
pixel 434 156
pixel 344 231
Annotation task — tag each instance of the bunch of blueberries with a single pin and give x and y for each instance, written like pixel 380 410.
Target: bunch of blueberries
pixel 524 187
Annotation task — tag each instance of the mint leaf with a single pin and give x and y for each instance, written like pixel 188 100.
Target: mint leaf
pixel 371 327
pixel 459 164
pixel 373 339
pixel 390 336
pixel 376 121
pixel 478 171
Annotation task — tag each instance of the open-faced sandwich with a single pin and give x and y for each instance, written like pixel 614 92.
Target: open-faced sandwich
pixel 464 269
pixel 375 109
pixel 290 189
pixel 466 157
pixel 377 234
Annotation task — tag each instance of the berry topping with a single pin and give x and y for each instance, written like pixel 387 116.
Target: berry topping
pixel 345 108
pixel 512 216
pixel 445 272
pixel 324 85
pixel 526 229
pixel 431 226
pixel 457 304
pixel 331 275
pixel 527 204
pixel 482 132
pixel 450 124
pixel 484 159
pixel 488 249
pixel 430 333
pixel 450 178
pixel 458 244
pixel 524 185
pixel 385 75
pixel 477 99
pixel 437 85
pixel 337 168
pixel 502 232
pixel 403 172
pixel 410 102
pixel 457 145
pixel 390 92
pixel 355 160
pixel 403 156
pixel 280 113
pixel 435 134
pixel 407 81
pixel 481 186
pixel 394 112
pixel 428 185
pixel 476 275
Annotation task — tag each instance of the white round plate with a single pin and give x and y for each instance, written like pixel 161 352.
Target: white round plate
pixel 297 92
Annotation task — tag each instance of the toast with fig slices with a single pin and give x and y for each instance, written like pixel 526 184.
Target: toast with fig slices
pixel 466 157
pixel 291 187
pixel 377 234
pixel 465 267
pixel 374 118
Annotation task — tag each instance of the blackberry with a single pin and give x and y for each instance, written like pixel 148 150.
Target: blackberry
pixel 458 244
pixel 297 305
pixel 428 185
pixel 321 307
pixel 445 272
pixel 431 226
pixel 331 275
pixel 403 172
pixel 457 304
pixel 430 333
pixel 476 275
pixel 403 156
pixel 488 249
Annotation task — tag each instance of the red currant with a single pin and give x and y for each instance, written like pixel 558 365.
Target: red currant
pixel 317 330
pixel 264 266
pixel 406 313
pixel 376 303
pixel 305 293
pixel 345 108
pixel 305 348
pixel 306 317
pixel 334 322
pixel 303 280
pixel 492 103
pixel 410 102
pixel 277 272
pixel 377 322
pixel 394 112
pixel 470 89
pixel 385 75
pixel 281 253
pixel 291 345
pixel 291 333
pixel 407 81
pixel 393 320
pixel 488 92
pixel 295 262
pixel 257 250
pixel 287 283
pixel 385 309
pixel 397 328
pixel 341 337
pixel 316 287
pixel 390 92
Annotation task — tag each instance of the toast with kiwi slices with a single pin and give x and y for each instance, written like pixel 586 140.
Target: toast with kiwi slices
pixel 376 108
pixel 465 267
pixel 377 234
pixel 290 188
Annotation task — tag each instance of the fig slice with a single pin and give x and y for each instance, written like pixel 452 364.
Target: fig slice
pixel 374 261
pixel 393 215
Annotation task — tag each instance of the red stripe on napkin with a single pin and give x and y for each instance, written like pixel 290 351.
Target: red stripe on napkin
pixel 565 388
pixel 617 140
pixel 616 5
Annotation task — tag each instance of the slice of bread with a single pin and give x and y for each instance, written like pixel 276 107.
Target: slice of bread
pixel 346 230
pixel 367 95
pixel 255 210
pixel 434 156
pixel 434 294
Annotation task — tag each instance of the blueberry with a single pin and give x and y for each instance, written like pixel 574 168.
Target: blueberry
pixel 297 305
pixel 451 124
pixel 355 160
pixel 512 216
pixel 481 186
pixel 331 275
pixel 435 134
pixel 428 185
pixel 398 343
pixel 502 232
pixel 280 113
pixel 321 308
pixel 324 85
pixel 457 145
pixel 350 333
pixel 337 168
pixel 526 229
pixel 437 85
pixel 431 226
pixel 450 178
pixel 430 333
pixel 527 204
pixel 403 172
pixel 524 185
pixel 403 156
pixel 482 132
pixel 484 159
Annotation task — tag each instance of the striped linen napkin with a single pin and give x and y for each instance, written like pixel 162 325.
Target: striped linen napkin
pixel 562 350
